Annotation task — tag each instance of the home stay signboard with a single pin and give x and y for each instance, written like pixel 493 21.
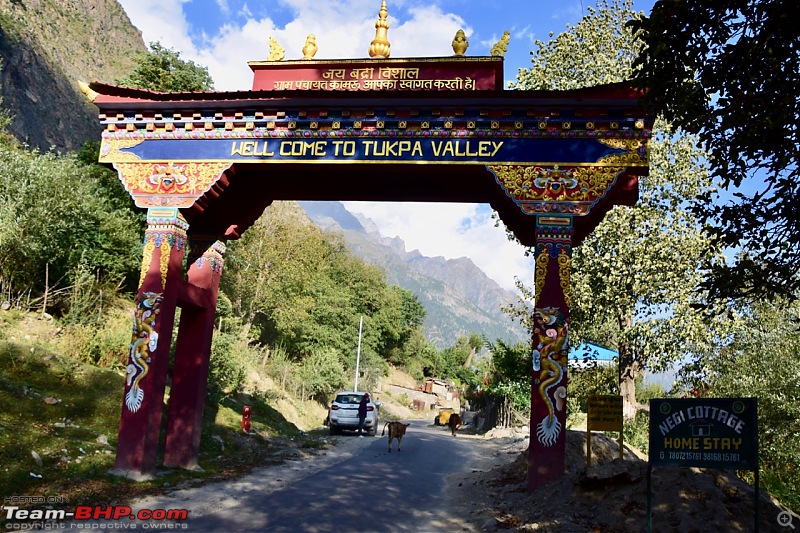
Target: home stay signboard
pixel 704 432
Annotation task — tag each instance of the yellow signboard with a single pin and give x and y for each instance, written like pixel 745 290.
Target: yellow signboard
pixel 605 413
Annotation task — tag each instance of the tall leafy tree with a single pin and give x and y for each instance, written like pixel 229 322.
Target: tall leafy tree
pixel 270 270
pixel 761 358
pixel 634 279
pixel 727 71
pixel 162 69
pixel 452 362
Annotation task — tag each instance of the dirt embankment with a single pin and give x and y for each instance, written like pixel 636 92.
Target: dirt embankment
pixel 610 496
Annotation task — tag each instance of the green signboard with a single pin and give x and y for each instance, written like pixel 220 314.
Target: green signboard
pixel 704 432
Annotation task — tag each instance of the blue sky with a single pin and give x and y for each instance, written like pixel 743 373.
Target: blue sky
pixel 224 35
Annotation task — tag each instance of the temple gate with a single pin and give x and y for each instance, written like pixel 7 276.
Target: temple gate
pixel 206 165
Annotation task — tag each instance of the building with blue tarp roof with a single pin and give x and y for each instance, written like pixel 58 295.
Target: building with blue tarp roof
pixel 588 353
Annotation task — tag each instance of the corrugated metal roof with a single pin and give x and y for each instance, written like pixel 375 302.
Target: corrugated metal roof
pixel 590 351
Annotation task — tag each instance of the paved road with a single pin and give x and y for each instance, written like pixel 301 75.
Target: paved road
pixel 372 490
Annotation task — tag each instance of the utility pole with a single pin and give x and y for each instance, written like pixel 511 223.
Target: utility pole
pixel 358 352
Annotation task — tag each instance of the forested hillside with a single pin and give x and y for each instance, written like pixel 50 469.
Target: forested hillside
pixel 459 297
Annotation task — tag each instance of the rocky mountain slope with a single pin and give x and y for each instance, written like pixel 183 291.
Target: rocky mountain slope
pixel 46 47
pixel 459 297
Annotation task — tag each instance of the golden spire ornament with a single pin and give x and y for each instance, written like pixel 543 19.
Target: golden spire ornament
pixel 276 51
pixel 500 47
pixel 379 48
pixel 310 48
pixel 460 43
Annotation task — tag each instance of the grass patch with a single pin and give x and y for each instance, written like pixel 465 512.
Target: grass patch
pixel 68 413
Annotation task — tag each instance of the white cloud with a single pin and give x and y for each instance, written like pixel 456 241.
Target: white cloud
pixel 452 230
pixel 342 30
pixel 162 21
pixel 223 6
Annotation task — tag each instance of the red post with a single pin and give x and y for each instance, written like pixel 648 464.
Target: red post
pixel 246 414
pixel 192 354
pixel 140 423
pixel 546 453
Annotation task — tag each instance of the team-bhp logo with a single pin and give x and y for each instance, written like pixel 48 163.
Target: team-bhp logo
pixel 18 518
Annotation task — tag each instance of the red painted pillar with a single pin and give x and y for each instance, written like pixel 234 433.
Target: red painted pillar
pixel 192 355
pixel 154 315
pixel 550 350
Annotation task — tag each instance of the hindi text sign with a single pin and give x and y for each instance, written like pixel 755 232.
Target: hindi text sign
pixel 604 413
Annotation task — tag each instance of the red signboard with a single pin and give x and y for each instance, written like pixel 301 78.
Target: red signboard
pixel 422 74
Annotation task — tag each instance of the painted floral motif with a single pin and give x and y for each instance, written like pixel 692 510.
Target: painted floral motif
pixel 554 189
pixel 169 184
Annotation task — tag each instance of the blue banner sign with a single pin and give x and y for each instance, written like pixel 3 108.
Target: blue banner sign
pixel 704 432
pixel 379 149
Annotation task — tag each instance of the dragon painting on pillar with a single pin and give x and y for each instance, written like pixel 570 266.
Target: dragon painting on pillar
pixel 550 336
pixel 143 343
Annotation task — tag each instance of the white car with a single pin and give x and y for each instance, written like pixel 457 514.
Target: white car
pixel 344 413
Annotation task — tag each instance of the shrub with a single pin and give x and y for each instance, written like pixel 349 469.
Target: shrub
pixel 321 374
pixel 105 345
pixel 231 360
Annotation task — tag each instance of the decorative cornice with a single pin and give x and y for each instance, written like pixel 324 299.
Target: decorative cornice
pixel 565 191
pixel 617 132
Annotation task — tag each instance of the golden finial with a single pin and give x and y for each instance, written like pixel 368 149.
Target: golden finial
pixel 310 48
pixel 90 94
pixel 379 48
pixel 276 51
pixel 460 43
pixel 500 47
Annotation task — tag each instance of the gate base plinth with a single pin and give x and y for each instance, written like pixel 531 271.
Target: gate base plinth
pixel 132 474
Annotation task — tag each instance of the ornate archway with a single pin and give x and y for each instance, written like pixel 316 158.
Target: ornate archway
pixel 206 165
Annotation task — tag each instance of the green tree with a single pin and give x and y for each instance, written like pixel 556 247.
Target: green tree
pixel 726 71
pixel 453 362
pixel 162 69
pixel 416 354
pixel 508 374
pixel 269 273
pixel 231 361
pixel 44 227
pixel 761 358
pixel 406 315
pixel 634 279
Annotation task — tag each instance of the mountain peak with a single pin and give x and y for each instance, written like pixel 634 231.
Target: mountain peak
pixel 459 297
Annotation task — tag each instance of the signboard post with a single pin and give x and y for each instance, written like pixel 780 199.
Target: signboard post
pixel 604 413
pixel 706 433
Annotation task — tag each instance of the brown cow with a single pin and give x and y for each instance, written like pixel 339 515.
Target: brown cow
pixel 396 431
pixel 454 422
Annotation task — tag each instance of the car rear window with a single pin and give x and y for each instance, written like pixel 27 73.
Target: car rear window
pixel 348 398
